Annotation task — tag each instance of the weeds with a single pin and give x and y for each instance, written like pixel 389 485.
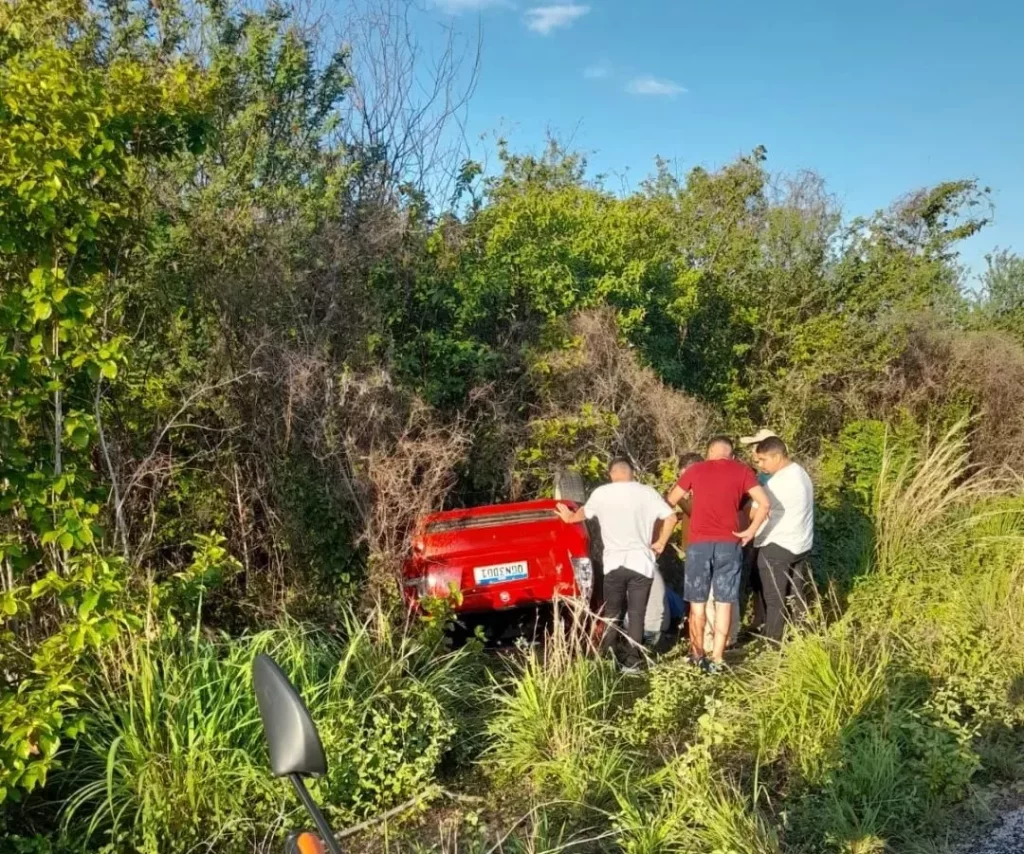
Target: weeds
pixel 174 756
pixel 555 722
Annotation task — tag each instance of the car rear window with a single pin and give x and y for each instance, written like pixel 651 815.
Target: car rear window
pixel 440 526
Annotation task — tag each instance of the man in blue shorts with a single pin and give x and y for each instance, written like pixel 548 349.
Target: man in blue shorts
pixel 716 488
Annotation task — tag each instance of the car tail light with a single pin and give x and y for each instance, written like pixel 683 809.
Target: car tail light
pixel 583 569
pixel 437 581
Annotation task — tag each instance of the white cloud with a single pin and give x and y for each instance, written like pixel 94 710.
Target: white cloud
pixel 546 19
pixel 597 71
pixel 647 84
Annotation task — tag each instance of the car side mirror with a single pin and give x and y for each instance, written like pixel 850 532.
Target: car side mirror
pixel 295 746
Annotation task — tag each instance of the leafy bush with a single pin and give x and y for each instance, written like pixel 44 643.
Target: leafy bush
pixel 666 716
pixel 174 755
pixel 74 138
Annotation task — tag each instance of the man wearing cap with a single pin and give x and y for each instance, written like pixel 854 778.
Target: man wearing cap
pixel 749 442
pixel 750 583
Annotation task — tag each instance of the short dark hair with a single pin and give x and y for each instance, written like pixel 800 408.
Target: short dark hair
pixel 689 459
pixel 772 445
pixel 722 440
pixel 621 461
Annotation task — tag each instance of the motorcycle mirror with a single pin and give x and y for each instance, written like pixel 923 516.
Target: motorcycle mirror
pixel 295 746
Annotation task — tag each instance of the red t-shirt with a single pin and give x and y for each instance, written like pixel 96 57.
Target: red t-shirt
pixel 718 487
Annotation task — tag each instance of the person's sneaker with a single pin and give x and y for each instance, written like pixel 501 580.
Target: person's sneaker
pixel 631 669
pixel 695 660
pixel 712 668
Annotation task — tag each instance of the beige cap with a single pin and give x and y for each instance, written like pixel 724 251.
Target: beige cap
pixel 759 436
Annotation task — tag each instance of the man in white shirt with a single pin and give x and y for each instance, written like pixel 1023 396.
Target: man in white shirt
pixel 631 515
pixel 785 539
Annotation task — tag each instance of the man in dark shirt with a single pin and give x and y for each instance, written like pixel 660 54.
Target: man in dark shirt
pixel 716 488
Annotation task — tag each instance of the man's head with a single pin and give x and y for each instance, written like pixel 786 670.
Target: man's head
pixel 620 469
pixel 720 448
pixel 771 455
pixel 687 460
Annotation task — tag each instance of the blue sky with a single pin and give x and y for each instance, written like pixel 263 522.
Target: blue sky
pixel 878 97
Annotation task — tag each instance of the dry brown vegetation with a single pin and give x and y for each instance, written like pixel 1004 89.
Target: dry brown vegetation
pixel 979 373
pixel 636 413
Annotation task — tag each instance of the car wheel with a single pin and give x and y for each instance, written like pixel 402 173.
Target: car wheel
pixel 569 486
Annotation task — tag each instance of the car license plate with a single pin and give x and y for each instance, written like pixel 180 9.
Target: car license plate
pixel 500 573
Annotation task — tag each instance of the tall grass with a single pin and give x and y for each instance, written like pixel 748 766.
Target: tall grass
pixel 871 723
pixel 919 497
pixel 555 719
pixel 174 755
pixel 173 746
pixel 798 703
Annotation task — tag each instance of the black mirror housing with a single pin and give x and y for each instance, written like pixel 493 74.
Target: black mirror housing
pixel 295 746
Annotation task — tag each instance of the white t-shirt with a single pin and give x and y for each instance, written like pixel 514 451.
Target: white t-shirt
pixel 790 521
pixel 627 511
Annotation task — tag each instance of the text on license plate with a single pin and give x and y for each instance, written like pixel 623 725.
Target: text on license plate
pixel 500 573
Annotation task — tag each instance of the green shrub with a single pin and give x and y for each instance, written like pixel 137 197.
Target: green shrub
pixel 174 755
pixel 555 724
pixel 666 716
pixel 897 772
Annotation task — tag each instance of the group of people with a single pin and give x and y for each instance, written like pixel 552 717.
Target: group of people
pixel 748 529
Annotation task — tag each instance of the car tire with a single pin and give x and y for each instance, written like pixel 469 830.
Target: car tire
pixel 569 486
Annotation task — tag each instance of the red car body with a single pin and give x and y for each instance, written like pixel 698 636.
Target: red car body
pixel 499 557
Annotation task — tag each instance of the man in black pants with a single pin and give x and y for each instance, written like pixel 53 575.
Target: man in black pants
pixel 785 540
pixel 636 524
pixel 751 583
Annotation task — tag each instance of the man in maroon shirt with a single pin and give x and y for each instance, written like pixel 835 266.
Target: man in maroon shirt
pixel 716 488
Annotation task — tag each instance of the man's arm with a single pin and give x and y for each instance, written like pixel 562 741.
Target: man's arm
pixel 665 527
pixel 757 517
pixel 568 516
pixel 676 495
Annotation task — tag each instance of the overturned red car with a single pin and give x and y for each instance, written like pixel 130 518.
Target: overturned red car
pixel 499 558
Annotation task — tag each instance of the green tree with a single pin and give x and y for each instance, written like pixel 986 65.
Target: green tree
pixel 75 137
pixel 1001 302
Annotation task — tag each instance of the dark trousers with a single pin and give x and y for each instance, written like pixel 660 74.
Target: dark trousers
pixel 783 585
pixel 750 586
pixel 625 591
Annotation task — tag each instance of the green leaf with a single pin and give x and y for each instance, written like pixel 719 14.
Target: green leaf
pixel 80 437
pixel 42 310
pixel 66 541
pixel 89 602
